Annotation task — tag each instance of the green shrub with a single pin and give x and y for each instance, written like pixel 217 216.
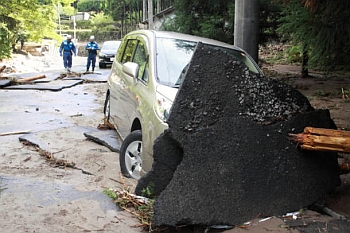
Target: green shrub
pixel 293 54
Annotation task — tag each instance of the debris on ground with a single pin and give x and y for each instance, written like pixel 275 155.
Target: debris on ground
pixel 25 80
pixel 138 206
pixel 50 157
pixel 227 153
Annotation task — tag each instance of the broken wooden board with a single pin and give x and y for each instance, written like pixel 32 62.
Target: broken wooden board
pixel 319 139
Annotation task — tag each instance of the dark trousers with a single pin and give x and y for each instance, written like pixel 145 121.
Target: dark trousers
pixel 91 60
pixel 67 59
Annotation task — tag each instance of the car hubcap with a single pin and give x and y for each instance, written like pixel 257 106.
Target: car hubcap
pixel 133 159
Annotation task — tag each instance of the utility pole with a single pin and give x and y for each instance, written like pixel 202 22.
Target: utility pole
pixel 75 29
pixel 150 14
pixel 59 18
pixel 247 26
pixel 144 10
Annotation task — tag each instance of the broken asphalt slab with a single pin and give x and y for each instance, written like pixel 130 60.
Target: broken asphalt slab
pixel 108 138
pixel 36 121
pixel 42 138
pixel 4 83
pixel 229 128
pixel 56 85
pixel 90 77
pixel 56 193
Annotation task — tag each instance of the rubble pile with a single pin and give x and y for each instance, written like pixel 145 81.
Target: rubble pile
pixel 227 157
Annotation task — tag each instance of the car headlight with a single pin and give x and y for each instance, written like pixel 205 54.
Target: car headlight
pixel 102 54
pixel 162 107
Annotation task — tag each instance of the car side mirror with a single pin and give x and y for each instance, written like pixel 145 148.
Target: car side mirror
pixel 131 69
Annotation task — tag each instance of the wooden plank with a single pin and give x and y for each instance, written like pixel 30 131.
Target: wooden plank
pixel 14 133
pixel 319 139
pixel 23 80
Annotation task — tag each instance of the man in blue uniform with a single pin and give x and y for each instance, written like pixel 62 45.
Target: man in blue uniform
pixel 67 49
pixel 92 48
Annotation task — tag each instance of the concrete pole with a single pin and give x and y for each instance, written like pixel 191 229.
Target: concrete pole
pixel 144 10
pixel 59 18
pixel 150 14
pixel 247 26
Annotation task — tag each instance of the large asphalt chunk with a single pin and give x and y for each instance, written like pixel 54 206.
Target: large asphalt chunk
pixel 234 158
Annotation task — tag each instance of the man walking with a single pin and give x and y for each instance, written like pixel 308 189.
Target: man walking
pixel 92 48
pixel 67 49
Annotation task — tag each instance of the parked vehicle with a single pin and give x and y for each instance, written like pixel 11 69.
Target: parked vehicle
pixel 107 52
pixel 142 86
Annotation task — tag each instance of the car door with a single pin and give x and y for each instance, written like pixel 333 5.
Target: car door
pixel 131 90
pixel 120 90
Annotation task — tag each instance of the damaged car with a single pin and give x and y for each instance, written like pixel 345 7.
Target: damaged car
pixel 146 74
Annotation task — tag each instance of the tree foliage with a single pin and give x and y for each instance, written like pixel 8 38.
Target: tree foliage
pixel 91 5
pixel 209 18
pixel 29 19
pixel 215 19
pixel 323 28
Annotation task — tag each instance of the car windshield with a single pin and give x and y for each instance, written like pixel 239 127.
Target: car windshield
pixel 174 55
pixel 111 45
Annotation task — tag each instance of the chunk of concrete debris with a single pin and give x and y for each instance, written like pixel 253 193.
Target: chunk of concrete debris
pixel 227 157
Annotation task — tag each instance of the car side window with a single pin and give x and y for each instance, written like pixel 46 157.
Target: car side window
pixel 140 58
pixel 129 50
pixel 120 52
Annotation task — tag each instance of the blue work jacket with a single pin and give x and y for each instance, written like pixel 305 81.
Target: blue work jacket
pixel 92 47
pixel 67 47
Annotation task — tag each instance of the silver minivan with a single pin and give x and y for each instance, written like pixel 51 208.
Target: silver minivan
pixel 142 86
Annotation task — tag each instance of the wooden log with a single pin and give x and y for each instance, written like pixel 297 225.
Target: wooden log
pixel 319 139
pixel 23 80
pixel 15 132
pixel 2 68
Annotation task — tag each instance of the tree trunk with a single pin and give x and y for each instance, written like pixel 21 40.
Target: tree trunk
pixel 247 26
pixel 159 6
pixel 131 11
pixel 305 62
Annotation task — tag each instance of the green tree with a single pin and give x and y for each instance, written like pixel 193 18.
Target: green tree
pixel 209 18
pixel 33 18
pixel 215 19
pixel 91 5
pixel 322 30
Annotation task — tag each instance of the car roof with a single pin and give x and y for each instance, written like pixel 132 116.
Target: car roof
pixel 181 36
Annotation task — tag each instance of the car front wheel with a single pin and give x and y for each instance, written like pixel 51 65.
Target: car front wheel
pixel 102 65
pixel 130 155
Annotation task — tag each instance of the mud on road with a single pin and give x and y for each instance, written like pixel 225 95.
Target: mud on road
pixel 37 195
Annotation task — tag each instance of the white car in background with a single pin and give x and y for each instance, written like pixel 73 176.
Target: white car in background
pixel 142 86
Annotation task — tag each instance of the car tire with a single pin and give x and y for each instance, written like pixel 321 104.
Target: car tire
pixel 130 155
pixel 102 65
pixel 107 108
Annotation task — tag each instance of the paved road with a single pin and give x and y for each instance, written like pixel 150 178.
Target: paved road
pixel 36 195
